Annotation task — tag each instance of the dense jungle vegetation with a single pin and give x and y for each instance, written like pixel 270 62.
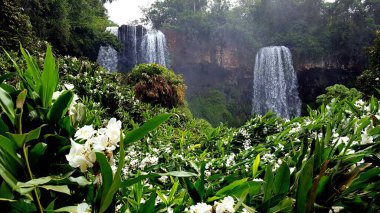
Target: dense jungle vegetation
pixel 76 138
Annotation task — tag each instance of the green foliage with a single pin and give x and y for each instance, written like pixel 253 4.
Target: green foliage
pixel 212 107
pixel 36 128
pixel 314 30
pixel 15 26
pixel 105 92
pixel 313 163
pixel 338 92
pixel 72 27
pixel 157 85
pixel 369 81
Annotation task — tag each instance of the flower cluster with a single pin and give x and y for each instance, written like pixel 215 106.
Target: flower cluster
pixel 102 140
pixel 225 206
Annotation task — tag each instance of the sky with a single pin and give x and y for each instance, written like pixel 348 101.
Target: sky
pixel 126 11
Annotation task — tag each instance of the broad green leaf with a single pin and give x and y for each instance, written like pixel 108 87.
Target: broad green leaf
pixel 255 166
pixel 49 78
pixel 67 126
pixel 163 198
pixel 5 191
pixel 328 134
pixel 200 183
pixel 7 105
pixel 305 182
pixel 34 182
pixel 22 206
pixel 8 88
pixel 106 171
pixel 268 183
pixel 150 125
pixel 67 209
pixel 37 151
pixel 51 205
pixel 109 195
pixel 81 181
pixel 3 127
pixel 149 205
pixel 9 147
pixel 282 180
pixel 374 131
pixel 20 139
pixel 7 176
pixel 60 106
pixel 173 191
pixel 285 205
pixel 62 189
pixel 191 190
pixel 33 73
pixel 230 187
pixel 241 200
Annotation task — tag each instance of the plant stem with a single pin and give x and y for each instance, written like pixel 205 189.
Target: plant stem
pixel 35 193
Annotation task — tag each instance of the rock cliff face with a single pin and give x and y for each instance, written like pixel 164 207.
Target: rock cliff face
pixel 223 64
pixel 226 64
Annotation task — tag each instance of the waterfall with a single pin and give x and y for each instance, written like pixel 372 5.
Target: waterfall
pixel 275 85
pixel 137 46
pixel 154 47
pixel 108 56
pixel 128 53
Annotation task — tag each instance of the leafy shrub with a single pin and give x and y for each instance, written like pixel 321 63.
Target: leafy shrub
pixel 156 84
pixel 103 88
pixel 338 91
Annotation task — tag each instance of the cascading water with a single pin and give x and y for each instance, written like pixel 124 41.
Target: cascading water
pixel 108 56
pixel 275 85
pixel 138 46
pixel 154 47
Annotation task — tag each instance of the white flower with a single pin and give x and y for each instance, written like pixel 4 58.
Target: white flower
pixel 227 205
pixel 100 142
pixel 343 140
pixel 85 132
pixel 80 156
pixel 201 208
pixel 163 179
pixel 337 209
pixel 56 95
pixel 83 208
pixel 69 86
pixel 366 139
pixel 230 160
pixel 359 103
pixel 113 131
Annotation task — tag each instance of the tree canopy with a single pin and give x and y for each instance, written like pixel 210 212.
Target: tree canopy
pixel 73 27
pixel 313 29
